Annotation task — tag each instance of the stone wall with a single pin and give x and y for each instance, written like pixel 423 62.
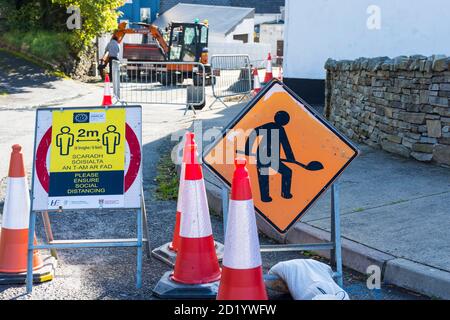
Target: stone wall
pixel 400 105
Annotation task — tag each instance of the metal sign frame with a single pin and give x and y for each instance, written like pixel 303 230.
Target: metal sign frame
pixel 334 246
pixel 53 245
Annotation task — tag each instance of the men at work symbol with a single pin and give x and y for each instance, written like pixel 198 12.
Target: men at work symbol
pixel 64 141
pixel 271 138
pixel 111 139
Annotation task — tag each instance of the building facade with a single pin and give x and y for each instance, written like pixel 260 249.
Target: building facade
pixel 349 29
pixel 139 10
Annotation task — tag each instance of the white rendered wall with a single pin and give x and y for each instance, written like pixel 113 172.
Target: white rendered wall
pixel 338 29
pixel 270 34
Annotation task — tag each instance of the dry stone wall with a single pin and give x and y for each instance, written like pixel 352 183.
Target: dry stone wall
pixel 400 104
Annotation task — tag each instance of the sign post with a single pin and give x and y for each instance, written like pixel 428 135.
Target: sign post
pixel 87 158
pixel 293 156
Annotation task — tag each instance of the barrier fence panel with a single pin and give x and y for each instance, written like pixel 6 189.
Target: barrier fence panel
pixel 173 83
pixel 231 76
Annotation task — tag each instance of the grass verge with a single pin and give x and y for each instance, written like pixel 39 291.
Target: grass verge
pixel 166 179
pixel 53 47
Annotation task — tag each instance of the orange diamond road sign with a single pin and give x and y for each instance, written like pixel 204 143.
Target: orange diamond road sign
pixel 293 154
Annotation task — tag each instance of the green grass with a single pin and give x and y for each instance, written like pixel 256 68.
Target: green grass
pixel 359 210
pixel 53 47
pixel 166 179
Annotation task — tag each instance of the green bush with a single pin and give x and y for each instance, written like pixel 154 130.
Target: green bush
pixel 50 46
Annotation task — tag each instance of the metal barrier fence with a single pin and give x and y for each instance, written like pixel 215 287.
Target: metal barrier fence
pixel 173 83
pixel 231 76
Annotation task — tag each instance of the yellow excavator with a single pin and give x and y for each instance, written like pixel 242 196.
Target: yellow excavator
pixel 181 42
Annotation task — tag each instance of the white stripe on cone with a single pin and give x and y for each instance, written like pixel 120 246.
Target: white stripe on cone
pixel 241 240
pixel 107 90
pixel 195 220
pixel 257 83
pixel 269 66
pixel 16 211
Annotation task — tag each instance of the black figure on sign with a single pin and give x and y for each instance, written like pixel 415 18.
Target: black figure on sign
pixel 111 139
pixel 64 141
pixel 268 133
pixel 273 134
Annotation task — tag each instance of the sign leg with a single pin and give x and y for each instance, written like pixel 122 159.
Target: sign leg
pixel 31 229
pixel 225 199
pixel 336 234
pixel 139 250
pixel 145 227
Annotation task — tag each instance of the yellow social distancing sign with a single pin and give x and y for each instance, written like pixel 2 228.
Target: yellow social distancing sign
pixel 87 155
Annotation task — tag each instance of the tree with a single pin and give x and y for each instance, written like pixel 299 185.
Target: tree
pixel 98 17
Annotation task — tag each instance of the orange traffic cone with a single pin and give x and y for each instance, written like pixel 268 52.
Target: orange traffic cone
pixel 14 234
pixel 242 274
pixel 189 141
pixel 167 253
pixel 197 261
pixel 107 98
pixel 256 82
pixel 269 73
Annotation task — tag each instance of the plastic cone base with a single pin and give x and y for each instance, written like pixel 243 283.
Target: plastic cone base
pixel 166 288
pixel 245 284
pixel 196 261
pixel 43 274
pixel 164 254
pixel 14 252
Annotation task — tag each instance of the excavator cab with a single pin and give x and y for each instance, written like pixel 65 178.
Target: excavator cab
pixel 188 42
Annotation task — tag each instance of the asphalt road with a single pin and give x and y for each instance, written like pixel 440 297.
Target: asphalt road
pixel 110 273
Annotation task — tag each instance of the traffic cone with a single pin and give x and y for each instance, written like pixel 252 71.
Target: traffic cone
pixel 175 244
pixel 167 253
pixel 256 82
pixel 14 234
pixel 269 73
pixel 197 261
pixel 107 97
pixel 242 274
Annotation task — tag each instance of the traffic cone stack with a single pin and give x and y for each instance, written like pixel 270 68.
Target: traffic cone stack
pixel 269 73
pixel 14 234
pixel 242 274
pixel 196 271
pixel 197 261
pixel 256 82
pixel 107 97
pixel 168 252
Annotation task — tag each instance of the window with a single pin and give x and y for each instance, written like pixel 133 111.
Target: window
pixel 241 37
pixel 189 44
pixel 175 49
pixel 204 35
pixel 146 15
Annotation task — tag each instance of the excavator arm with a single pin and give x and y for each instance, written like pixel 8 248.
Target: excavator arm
pixel 146 29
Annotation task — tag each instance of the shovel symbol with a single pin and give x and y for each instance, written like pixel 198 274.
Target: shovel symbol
pixel 312 166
